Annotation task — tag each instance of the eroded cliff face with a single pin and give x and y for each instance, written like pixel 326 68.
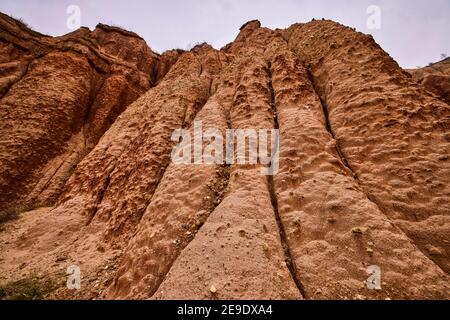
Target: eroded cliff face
pixel 435 78
pixel 363 173
pixel 58 97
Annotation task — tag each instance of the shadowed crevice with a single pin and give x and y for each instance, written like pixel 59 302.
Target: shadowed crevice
pixel 167 160
pixel 217 192
pixel 23 75
pixel 290 262
pixel 100 196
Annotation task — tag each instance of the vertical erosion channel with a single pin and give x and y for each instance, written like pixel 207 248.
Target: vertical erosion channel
pixel 274 200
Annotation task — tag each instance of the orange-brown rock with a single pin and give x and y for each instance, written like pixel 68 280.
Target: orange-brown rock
pixel 58 97
pixel 392 134
pixel 435 78
pixel 87 122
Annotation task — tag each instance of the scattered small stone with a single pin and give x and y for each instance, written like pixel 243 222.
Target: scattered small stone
pixel 357 230
pixel 369 250
pixel 435 251
pixel 203 212
pixel 331 220
pixel 213 289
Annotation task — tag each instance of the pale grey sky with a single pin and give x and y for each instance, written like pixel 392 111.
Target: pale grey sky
pixel 414 32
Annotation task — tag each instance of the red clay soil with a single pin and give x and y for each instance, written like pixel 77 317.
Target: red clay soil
pixel 86 176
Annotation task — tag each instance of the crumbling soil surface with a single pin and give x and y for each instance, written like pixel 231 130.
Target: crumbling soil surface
pixel 435 78
pixel 87 178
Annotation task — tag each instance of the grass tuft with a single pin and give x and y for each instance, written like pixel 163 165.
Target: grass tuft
pixel 31 288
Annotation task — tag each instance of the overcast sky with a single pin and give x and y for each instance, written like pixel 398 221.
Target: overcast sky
pixel 414 32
